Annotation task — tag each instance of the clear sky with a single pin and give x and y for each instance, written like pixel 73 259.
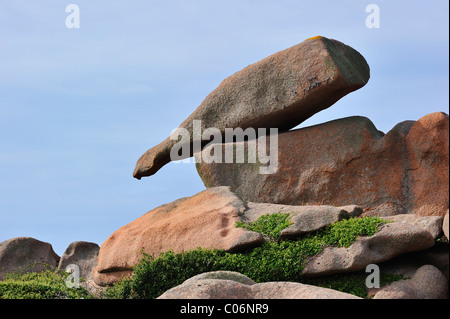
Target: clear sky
pixel 79 106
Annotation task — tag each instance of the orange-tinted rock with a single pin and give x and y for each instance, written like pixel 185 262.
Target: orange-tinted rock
pixel 348 161
pixel 206 220
pixel 280 91
pixel 428 161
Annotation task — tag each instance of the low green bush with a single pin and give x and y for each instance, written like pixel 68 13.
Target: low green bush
pixel 49 284
pixel 270 225
pixel 272 261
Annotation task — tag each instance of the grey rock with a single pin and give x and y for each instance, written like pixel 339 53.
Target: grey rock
pixel 203 287
pixel 392 240
pixel 26 254
pixel 433 224
pixel 427 283
pixel 223 275
pixel 83 254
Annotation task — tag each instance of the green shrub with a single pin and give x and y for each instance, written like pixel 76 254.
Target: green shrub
pixel 272 261
pixel 49 284
pixel 270 225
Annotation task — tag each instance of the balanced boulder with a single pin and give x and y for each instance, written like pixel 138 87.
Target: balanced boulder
pixel 279 91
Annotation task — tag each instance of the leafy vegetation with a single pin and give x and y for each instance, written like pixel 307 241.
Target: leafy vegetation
pixel 49 284
pixel 269 225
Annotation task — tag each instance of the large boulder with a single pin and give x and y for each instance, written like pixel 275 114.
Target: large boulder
pixel 207 220
pixel 206 286
pixel 348 161
pixel 25 254
pixel 82 254
pixel 392 240
pixel 279 91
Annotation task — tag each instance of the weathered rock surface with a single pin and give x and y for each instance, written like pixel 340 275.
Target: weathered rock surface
pixel 392 240
pixel 201 287
pixel 83 254
pixel 304 219
pixel 427 283
pixel 206 220
pixel 348 161
pixel 432 224
pixel 279 91
pixel 26 254
pixel 222 275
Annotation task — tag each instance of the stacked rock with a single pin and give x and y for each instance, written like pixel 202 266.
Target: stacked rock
pixel 325 173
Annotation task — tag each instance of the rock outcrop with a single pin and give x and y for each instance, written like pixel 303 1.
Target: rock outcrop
pixel 348 161
pixel 280 91
pixel 83 254
pixel 392 240
pixel 322 175
pixel 26 254
pixel 213 286
pixel 427 283
pixel 207 220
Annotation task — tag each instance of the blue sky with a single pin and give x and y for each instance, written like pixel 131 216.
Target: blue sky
pixel 79 106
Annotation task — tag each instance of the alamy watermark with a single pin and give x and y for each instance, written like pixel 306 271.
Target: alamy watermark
pixel 234 145
pixel 73 280
pixel 73 19
pixel 373 19
pixel 373 280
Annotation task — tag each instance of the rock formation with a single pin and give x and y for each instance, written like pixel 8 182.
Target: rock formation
pixel 348 161
pixel 207 220
pixel 26 254
pixel 280 91
pixel 83 254
pixel 214 286
pixel 325 174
